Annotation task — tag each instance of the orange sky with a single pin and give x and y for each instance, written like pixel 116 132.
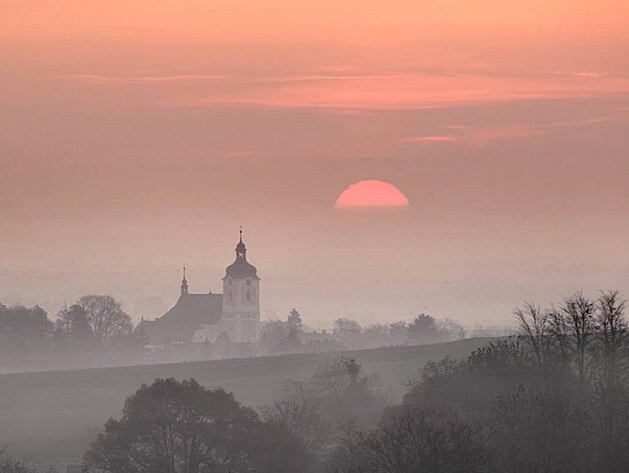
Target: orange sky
pixel 135 136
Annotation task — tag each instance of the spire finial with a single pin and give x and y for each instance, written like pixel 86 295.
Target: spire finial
pixel 184 283
pixel 241 249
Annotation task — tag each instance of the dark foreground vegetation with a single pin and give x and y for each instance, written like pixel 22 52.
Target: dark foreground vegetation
pixel 53 416
pixel 11 465
pixel 553 399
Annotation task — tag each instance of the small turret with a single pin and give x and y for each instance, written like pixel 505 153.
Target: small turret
pixel 184 282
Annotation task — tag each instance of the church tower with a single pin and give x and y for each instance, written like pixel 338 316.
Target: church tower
pixel 241 298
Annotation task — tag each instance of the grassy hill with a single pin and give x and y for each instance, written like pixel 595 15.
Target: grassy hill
pixel 52 416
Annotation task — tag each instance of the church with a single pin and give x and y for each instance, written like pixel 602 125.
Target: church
pixel 231 317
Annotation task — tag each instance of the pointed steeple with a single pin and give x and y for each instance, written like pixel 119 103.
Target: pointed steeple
pixel 241 268
pixel 184 282
pixel 241 249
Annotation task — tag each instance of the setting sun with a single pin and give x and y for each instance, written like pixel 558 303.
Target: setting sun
pixel 371 194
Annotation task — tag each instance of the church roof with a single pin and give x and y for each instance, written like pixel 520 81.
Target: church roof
pixel 188 315
pixel 241 269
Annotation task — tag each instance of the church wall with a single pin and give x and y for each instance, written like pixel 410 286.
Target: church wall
pixel 241 313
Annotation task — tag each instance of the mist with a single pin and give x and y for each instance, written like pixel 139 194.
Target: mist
pixel 315 237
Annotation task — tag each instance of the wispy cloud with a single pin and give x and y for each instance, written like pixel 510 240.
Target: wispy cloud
pixel 361 90
pixel 408 91
pixel 589 75
pixel 433 139
pixel 147 79
pixel 233 154
pixel 332 77
pixel 481 136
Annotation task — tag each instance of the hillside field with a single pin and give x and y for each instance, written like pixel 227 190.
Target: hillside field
pixel 52 416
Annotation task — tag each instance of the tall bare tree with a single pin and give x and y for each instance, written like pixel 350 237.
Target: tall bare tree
pixel 535 326
pixel 412 439
pixel 612 330
pixel 106 318
pixel 560 336
pixel 579 312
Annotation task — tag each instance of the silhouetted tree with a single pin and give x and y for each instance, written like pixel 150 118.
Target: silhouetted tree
pixel 9 464
pixel 376 335
pixel 181 427
pixel 543 430
pixel 398 332
pixel 450 330
pixel 423 329
pixel 106 319
pixel 294 320
pixel 73 324
pixel 24 329
pixel 347 328
pixel 614 337
pixel 339 397
pixel 345 393
pixel 535 326
pixel 411 439
pixel 278 337
pixel 298 409
pixel 579 313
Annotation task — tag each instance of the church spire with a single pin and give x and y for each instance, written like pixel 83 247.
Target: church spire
pixel 241 268
pixel 184 282
pixel 241 249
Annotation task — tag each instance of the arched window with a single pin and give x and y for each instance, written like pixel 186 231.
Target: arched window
pixel 230 295
pixel 248 296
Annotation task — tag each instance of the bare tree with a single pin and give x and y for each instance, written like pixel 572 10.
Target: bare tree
pixel 544 429
pixel 560 335
pixel 106 318
pixel 9 464
pixel 579 312
pixel 347 328
pixel 535 324
pixel 411 439
pixel 74 325
pixel 612 330
pixel 348 456
pixel 298 410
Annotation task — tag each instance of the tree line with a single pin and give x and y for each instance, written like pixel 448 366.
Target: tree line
pixel 552 399
pixel 94 324
pixel 291 336
pixel 95 328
